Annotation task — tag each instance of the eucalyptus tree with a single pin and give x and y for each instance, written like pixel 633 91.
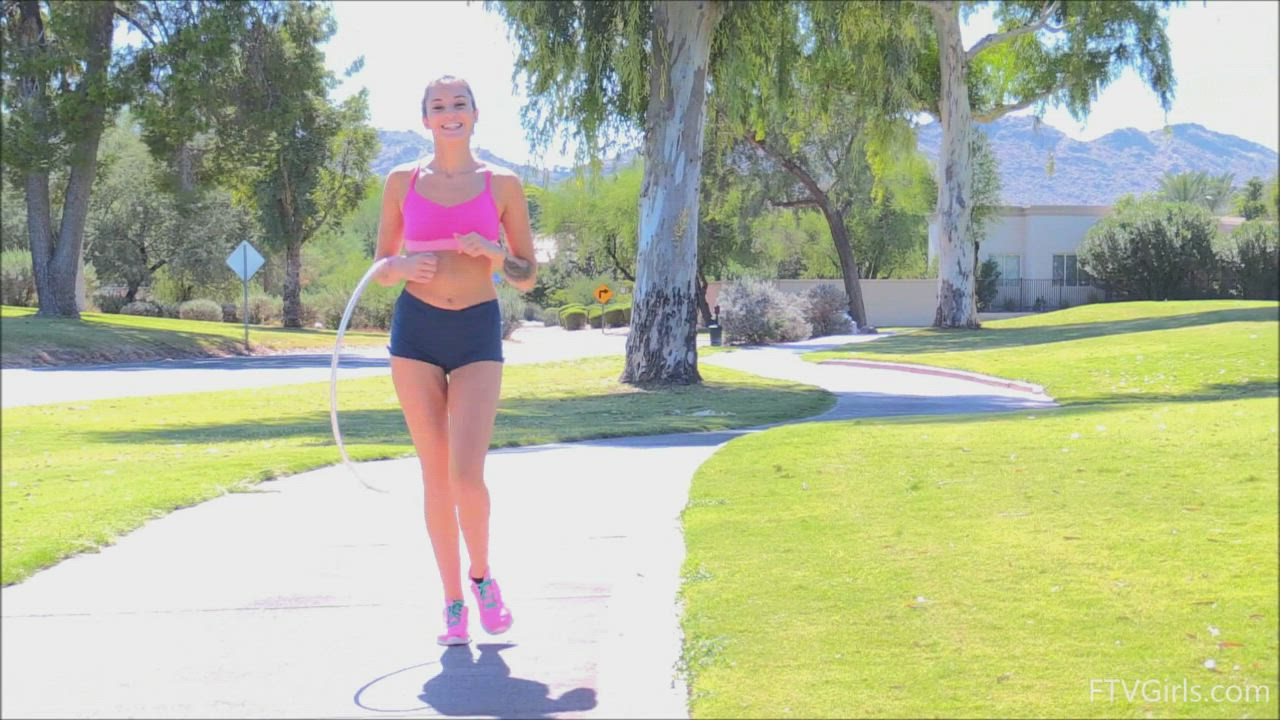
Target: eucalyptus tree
pixel 1044 52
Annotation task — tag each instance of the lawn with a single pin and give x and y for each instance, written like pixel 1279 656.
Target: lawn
pixel 26 340
pixel 1007 564
pixel 78 475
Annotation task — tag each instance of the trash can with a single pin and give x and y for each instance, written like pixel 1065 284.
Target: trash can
pixel 714 329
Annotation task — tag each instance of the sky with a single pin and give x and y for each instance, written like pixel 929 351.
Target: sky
pixel 1225 62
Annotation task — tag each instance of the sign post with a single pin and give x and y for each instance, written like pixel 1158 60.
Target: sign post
pixel 603 293
pixel 244 262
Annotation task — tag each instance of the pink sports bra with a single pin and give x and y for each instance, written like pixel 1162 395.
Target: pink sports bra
pixel 430 226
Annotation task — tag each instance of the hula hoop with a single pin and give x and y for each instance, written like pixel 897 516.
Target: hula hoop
pixel 333 372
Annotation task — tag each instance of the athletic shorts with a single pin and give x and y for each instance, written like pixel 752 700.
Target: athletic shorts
pixel 446 338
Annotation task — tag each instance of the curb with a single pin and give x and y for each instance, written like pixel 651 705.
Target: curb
pixel 942 372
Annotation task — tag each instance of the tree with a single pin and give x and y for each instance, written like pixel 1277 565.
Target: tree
pixel 1044 53
pixel 597 216
pixel 605 68
pixel 59 91
pixel 1250 204
pixel 1210 192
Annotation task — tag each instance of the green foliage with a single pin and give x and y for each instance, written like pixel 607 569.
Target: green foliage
pixel 826 309
pixel 13 217
pixel 1249 203
pixel 550 316
pixel 1250 259
pixel 264 308
pixel 1152 250
pixel 145 308
pixel 596 219
pixel 511 305
pixel 17 283
pixel 200 309
pixel 1211 192
pixel 586 68
pixel 988 284
pixel 573 317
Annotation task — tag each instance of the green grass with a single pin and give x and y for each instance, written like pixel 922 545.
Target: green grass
pixel 26 340
pixel 78 475
pixel 1098 540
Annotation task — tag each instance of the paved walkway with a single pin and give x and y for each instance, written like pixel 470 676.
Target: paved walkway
pixel 316 598
pixel 70 383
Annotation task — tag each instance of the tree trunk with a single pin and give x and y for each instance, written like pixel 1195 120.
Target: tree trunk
pixel 661 345
pixel 848 267
pixel 57 260
pixel 957 306
pixel 293 283
pixel 703 307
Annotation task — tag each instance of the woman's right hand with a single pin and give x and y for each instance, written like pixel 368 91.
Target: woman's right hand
pixel 419 267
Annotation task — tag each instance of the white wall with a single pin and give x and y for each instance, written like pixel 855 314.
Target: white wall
pixel 1035 233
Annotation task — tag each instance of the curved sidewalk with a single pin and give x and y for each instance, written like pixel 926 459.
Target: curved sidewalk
pixel 315 598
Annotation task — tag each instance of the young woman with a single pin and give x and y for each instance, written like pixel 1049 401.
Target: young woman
pixel 446 332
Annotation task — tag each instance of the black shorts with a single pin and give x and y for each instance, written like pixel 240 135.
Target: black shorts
pixel 445 338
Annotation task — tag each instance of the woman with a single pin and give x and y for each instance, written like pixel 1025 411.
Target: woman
pixel 446 336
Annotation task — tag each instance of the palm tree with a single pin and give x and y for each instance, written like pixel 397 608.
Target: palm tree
pixel 1211 192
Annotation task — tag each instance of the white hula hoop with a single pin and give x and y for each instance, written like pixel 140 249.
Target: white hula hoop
pixel 333 372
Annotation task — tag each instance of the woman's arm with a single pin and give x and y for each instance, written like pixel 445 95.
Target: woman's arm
pixel 390 227
pixel 518 264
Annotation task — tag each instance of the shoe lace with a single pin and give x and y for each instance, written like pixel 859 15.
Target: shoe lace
pixel 455 613
pixel 485 588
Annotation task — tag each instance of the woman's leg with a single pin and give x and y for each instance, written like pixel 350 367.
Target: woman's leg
pixel 473 404
pixel 423 395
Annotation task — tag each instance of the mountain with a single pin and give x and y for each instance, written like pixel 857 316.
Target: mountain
pixel 402 146
pixel 1098 172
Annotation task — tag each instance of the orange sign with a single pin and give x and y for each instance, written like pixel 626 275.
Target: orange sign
pixel 603 293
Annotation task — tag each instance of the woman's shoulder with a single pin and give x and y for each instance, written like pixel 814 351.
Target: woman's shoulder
pixel 504 178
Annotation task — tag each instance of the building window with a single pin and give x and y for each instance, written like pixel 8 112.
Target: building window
pixel 1067 271
pixel 1010 268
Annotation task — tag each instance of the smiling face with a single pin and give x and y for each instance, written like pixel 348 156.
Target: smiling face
pixel 449 109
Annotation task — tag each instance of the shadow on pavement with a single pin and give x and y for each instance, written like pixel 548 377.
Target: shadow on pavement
pixel 469 685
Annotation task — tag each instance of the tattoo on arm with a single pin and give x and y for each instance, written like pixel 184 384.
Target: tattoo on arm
pixel 517 268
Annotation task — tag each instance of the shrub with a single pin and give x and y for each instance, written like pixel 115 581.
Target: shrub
pixel 1152 250
pixel 551 316
pixel 618 314
pixel 109 300
pixel 1250 260
pixel 230 313
pixel 987 284
pixel 1040 305
pixel 264 308
pixel 17 281
pixel 755 311
pixel 827 310
pixel 532 311
pixel 200 309
pixel 573 317
pixel 594 315
pixel 511 304
pixel 145 308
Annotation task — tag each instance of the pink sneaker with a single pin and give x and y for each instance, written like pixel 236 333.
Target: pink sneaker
pixel 455 621
pixel 495 618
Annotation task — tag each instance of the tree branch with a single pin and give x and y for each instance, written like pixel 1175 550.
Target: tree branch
pixel 1000 111
pixel 802 203
pixel 137 26
pixel 817 197
pixel 1041 22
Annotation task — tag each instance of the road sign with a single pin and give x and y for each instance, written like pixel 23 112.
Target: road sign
pixel 603 293
pixel 244 261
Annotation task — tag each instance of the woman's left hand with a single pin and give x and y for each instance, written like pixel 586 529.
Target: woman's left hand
pixel 476 245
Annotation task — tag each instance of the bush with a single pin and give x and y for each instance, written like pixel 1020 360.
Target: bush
pixel 17 280
pixel 264 308
pixel 827 310
pixel 755 311
pixel 1040 305
pixel 987 284
pixel 1152 250
pixel 618 314
pixel 144 308
pixel 109 300
pixel 1250 261
pixel 573 317
pixel 551 317
pixel 230 313
pixel 511 304
pixel 532 312
pixel 200 309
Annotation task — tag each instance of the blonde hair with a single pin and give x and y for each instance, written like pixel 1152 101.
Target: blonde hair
pixel 447 79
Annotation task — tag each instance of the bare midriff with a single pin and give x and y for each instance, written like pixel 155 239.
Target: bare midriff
pixel 460 282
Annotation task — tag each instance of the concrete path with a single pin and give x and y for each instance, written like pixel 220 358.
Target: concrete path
pixel 38 386
pixel 316 598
